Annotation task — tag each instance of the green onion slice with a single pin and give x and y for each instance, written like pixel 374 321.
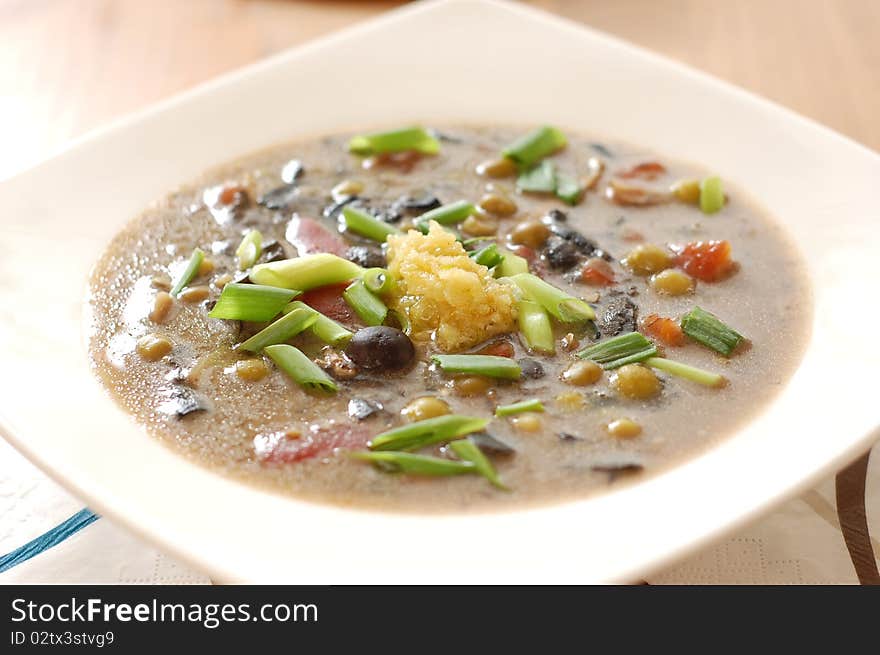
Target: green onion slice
pixel 395 462
pixel 304 273
pixel 560 305
pixel 468 451
pixel 534 326
pixel 623 349
pixel 450 214
pixel 189 272
pixel 324 327
pixel 538 179
pixel 378 280
pixel 687 372
pixel 360 222
pixel 533 405
pixel 281 330
pixel 535 145
pixel 249 250
pixel 492 366
pixel 488 256
pixel 569 189
pixel 512 265
pixel 369 307
pixel 409 138
pixel 710 331
pixel 427 432
pixel 251 302
pixel 711 195
pixel 300 368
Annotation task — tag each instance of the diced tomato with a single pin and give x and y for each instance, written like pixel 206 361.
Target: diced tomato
pixel 665 329
pixel 329 301
pixel 285 448
pixel 309 236
pixel 597 272
pixel 498 348
pixel 708 261
pixel 232 195
pixel 649 170
pixel 631 236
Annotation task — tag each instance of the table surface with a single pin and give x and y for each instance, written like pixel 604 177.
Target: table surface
pixel 67 66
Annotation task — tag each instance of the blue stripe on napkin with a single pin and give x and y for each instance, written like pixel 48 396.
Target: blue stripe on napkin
pixel 48 539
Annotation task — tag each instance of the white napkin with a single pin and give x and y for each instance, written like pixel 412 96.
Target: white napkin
pixel 800 543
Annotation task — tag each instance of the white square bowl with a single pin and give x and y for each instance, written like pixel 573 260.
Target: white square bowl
pixel 439 62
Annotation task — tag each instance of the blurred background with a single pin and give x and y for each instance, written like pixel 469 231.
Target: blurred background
pixel 68 66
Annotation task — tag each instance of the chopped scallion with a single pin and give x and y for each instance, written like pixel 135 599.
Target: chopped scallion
pixel 284 328
pixel 468 451
pixel 533 405
pixel 491 366
pixel 369 307
pixel 378 280
pixel 427 432
pixel 538 179
pixel 623 349
pixel 324 327
pixel 488 256
pixel 360 222
pixel 409 138
pixel 395 462
pixel 304 273
pixel 560 305
pixel 249 250
pixel 534 325
pixel 569 189
pixel 711 195
pixel 189 272
pixel 687 372
pixel 450 214
pixel 710 331
pixel 300 368
pixel 251 302
pixel 512 265
pixel 535 145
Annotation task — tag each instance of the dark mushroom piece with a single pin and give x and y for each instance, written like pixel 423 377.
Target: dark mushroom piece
pixel 561 254
pixel 332 210
pixel 616 468
pixel 531 368
pixel 366 257
pixel 381 347
pixel 360 409
pixel 180 401
pixel 620 315
pixel 492 445
pixel 279 197
pixel 417 205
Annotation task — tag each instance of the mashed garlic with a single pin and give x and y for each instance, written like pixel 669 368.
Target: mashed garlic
pixel 445 294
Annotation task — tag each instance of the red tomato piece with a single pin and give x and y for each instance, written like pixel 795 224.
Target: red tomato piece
pixel 309 236
pixel 498 348
pixel 708 261
pixel 665 329
pixel 329 301
pixel 649 170
pixel 284 448
pixel 597 272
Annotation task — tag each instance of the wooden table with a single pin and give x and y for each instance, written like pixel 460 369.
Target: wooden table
pixel 67 66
